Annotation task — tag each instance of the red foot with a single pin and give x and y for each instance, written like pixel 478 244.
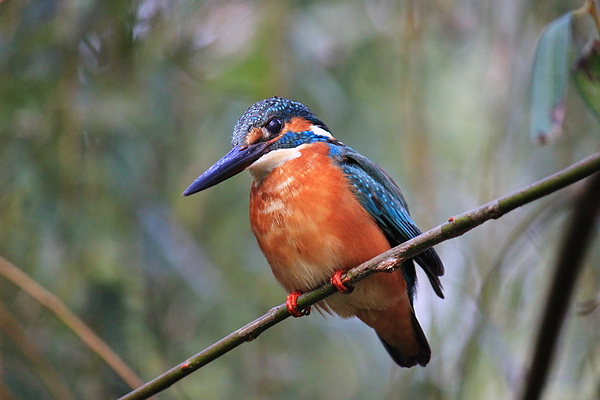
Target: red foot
pixel 340 284
pixel 291 302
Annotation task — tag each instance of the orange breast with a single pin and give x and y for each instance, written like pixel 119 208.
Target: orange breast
pixel 308 223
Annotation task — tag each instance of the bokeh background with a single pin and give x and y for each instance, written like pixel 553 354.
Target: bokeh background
pixel 109 109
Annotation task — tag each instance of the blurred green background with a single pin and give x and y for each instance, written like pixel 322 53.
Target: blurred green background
pixel 109 109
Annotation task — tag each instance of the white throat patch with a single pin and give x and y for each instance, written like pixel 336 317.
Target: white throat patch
pixel 276 158
pixel 273 159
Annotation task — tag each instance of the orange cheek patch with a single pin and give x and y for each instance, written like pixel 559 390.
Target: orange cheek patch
pixel 297 124
pixel 254 136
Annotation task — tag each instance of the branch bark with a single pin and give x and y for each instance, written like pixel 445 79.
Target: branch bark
pixel 388 261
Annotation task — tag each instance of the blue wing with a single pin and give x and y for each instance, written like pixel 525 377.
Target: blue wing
pixel 380 196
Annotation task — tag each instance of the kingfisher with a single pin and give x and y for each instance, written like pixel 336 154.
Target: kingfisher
pixel 319 208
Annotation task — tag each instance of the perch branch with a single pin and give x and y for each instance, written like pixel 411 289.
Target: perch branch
pixel 387 261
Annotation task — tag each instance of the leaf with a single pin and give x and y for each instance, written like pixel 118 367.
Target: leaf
pixel 586 74
pixel 549 80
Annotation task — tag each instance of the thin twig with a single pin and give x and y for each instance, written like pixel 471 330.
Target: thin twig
pixel 387 261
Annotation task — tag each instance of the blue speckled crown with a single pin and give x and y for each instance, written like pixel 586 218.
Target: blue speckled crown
pixel 258 114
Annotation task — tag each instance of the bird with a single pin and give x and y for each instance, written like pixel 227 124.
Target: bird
pixel 319 208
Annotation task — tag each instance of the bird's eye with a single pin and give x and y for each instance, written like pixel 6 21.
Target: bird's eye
pixel 274 126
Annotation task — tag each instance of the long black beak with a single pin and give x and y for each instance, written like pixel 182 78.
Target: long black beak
pixel 232 163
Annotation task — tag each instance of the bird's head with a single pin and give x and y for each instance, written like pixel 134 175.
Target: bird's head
pixel 264 136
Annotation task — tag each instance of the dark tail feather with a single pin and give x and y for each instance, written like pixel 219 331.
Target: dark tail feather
pixel 410 360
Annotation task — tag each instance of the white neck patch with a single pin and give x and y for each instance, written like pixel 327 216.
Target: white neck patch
pixel 317 130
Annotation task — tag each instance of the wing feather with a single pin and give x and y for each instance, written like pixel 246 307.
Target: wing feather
pixel 382 198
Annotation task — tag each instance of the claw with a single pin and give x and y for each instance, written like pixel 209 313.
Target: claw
pixel 339 283
pixel 291 302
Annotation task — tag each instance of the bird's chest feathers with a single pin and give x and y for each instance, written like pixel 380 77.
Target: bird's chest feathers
pixel 306 218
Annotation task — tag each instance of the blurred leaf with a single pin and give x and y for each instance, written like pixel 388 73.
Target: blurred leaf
pixel 549 80
pixel 586 75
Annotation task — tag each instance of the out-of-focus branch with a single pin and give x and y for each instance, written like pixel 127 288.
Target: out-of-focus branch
pixel 48 374
pixel 73 322
pixel 388 261
pixel 569 264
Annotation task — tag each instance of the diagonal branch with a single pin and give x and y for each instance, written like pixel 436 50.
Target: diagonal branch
pixel 388 261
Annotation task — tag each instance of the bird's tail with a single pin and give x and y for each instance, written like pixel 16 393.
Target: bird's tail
pixel 408 357
pixel 400 333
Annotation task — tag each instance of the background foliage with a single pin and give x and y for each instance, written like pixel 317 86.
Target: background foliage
pixel 111 108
